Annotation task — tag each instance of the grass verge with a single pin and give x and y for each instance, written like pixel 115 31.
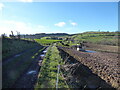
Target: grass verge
pixel 48 74
pixel 10 47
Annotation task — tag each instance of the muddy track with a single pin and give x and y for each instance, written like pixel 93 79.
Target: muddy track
pixel 105 65
pixel 29 77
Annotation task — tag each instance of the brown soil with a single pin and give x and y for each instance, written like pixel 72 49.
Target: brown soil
pixel 104 64
pixel 103 48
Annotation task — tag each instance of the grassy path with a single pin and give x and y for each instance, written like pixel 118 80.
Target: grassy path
pixel 48 74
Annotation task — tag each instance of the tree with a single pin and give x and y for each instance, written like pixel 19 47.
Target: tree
pixel 4 35
pixel 12 35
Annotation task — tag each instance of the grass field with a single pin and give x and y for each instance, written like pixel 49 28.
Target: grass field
pixel 46 41
pixel 104 38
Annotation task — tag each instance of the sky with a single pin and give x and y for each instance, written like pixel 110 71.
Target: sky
pixel 29 17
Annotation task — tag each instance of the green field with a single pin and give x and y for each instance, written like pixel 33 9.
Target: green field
pixel 46 41
pixel 99 38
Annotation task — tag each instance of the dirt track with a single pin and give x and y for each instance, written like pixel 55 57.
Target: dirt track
pixel 105 65
pixel 28 79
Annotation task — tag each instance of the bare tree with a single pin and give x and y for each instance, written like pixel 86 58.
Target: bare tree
pixel 12 35
pixel 4 35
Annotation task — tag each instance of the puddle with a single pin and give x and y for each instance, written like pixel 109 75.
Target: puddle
pixel 17 55
pixel 40 61
pixel 42 55
pixel 90 51
pixel 45 51
pixel 32 72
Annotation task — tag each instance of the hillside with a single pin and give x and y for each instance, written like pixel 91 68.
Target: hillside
pixel 40 35
pixel 102 38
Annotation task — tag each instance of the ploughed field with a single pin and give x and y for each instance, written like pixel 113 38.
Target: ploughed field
pixel 102 48
pixel 104 64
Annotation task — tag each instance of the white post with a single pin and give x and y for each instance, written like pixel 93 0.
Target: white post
pixel 57 77
pixel 78 47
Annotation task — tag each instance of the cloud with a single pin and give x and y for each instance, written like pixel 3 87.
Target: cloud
pixel 60 24
pixel 73 24
pixel 8 25
pixel 1 6
pixel 26 0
